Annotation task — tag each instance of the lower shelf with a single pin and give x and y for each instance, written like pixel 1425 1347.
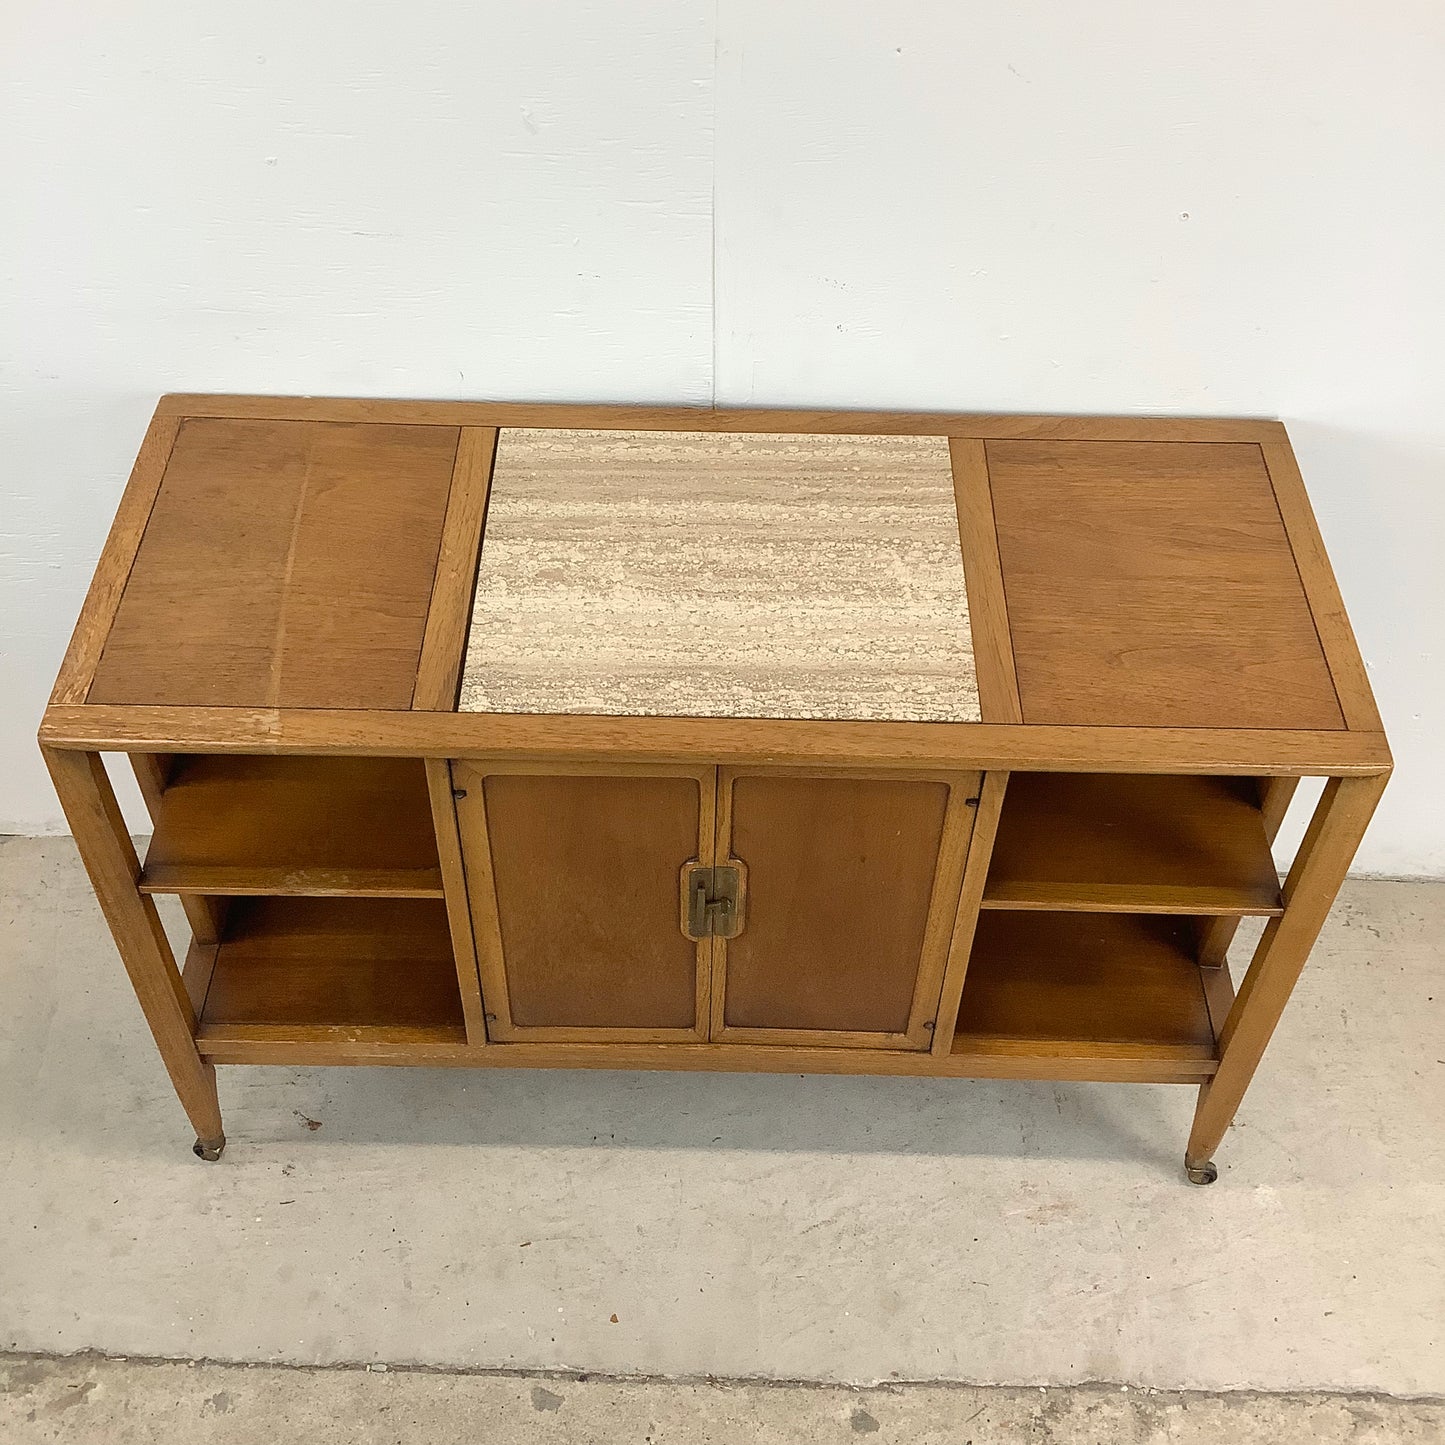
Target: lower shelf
pixel 325 969
pixel 1116 984
pixel 371 980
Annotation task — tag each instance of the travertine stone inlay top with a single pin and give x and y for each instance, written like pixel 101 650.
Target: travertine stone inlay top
pixel 693 574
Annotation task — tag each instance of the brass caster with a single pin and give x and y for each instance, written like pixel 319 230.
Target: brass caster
pixel 209 1149
pixel 1204 1173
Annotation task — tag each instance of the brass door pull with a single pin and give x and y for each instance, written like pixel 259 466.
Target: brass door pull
pixel 714 901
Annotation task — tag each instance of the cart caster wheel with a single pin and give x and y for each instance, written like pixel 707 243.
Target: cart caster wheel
pixel 209 1149
pixel 1205 1173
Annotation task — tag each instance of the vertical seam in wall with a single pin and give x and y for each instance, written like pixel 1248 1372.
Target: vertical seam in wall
pixel 712 214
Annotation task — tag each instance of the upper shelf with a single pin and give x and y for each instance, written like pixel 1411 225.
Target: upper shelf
pixel 1132 844
pixel 359 827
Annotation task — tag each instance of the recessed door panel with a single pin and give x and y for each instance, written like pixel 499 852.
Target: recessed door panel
pixel 573 884
pixel 852 887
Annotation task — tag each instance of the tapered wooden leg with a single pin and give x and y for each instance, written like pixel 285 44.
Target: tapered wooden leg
pixel 110 860
pixel 1324 857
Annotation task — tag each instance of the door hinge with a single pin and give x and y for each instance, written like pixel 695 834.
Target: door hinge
pixel 712 901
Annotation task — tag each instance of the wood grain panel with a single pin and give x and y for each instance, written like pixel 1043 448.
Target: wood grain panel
pixel 690 575
pixel 348 964
pixel 240 825
pixel 840 881
pixel 584 871
pixel 1152 583
pixel 1110 842
pixel 285 564
pixel 1084 978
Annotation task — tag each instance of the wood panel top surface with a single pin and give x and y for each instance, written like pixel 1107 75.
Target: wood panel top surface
pixel 274 565
pixel 1154 584
pixel 283 564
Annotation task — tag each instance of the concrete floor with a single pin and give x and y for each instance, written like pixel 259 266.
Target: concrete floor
pixel 835 1230
pixel 124 1402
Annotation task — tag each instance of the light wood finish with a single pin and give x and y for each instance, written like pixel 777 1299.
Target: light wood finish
pixel 684 574
pixel 289 580
pixel 1081 979
pixel 250 825
pixel 311 969
pixel 206 913
pixel 988 809
pixel 1104 842
pixel 113 570
pixel 439 672
pixel 736 741
pixel 1275 795
pixel 283 565
pixel 573 880
pixel 998 686
pixel 1154 582
pixel 100 834
pixel 459 919
pixel 740 419
pixel 1337 638
pixel 852 886
pixel 1334 833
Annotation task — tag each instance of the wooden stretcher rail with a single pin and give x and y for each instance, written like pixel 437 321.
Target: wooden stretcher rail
pixel 1093 1063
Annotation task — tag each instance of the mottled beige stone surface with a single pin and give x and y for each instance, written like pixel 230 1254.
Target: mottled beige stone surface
pixel 704 575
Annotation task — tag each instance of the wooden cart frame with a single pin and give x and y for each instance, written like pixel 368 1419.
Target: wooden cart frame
pixel 1353 758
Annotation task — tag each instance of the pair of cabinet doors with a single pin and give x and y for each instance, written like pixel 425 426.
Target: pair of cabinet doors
pixel 659 904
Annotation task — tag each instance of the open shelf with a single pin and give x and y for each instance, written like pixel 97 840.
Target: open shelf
pixel 236 825
pixel 1118 842
pixel 1113 983
pixel 309 969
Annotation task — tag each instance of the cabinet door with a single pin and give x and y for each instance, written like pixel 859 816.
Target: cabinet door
pixel 852 885
pixel 573 879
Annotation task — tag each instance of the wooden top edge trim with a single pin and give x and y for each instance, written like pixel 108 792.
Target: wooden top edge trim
pixel 1337 640
pixel 984 425
pixel 117 558
pixel 444 641
pixel 782 742
pixel 996 666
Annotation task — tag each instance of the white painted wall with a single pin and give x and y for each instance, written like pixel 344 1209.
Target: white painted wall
pixel 1237 208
